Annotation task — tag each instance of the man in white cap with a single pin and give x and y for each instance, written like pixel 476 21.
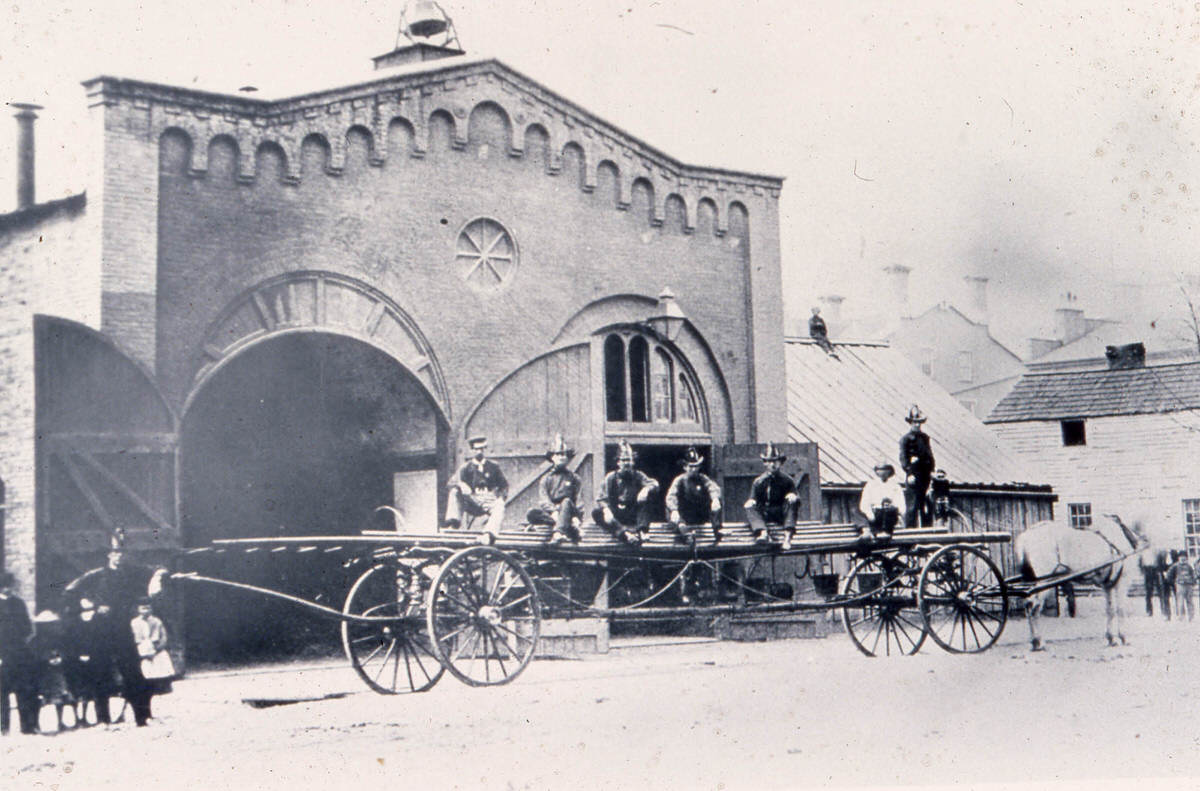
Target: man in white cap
pixel 694 499
pixel 916 458
pixel 559 508
pixel 773 499
pixel 881 500
pixel 479 488
pixel 623 506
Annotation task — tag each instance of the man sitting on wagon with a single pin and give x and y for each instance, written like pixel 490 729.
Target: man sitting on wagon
pixel 693 500
pixel 880 502
pixel 478 489
pixel 623 507
pixel 559 508
pixel 773 499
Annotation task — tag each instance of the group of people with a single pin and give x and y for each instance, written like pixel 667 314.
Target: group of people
pixel 924 495
pixel 626 500
pixel 105 641
pixel 627 497
pixel 1169 575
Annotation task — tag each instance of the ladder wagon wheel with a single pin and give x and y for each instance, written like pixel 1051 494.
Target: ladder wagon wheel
pixel 393 655
pixel 963 599
pixel 484 616
pixel 887 622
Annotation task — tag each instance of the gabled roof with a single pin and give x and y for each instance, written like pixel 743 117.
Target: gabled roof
pixel 854 409
pixel 1158 338
pixel 1078 394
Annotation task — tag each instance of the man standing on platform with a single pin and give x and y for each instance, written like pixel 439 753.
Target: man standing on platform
pixel 916 459
pixel 694 499
pixel 773 499
pixel 623 506
pixel 559 508
pixel 478 489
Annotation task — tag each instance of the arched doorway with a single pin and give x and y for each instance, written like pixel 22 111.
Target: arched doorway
pixel 302 433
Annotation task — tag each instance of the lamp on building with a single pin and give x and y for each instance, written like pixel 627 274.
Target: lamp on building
pixel 667 319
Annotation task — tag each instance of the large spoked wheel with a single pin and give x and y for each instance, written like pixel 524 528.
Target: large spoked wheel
pixel 484 616
pixel 963 599
pixel 392 653
pixel 886 621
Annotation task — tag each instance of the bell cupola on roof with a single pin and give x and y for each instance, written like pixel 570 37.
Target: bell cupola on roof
pixel 426 33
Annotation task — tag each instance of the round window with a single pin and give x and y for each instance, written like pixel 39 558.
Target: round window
pixel 486 254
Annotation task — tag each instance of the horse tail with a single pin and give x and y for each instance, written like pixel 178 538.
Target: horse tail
pixel 1026 568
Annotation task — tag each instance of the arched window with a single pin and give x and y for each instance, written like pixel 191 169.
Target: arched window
pixel 662 387
pixel 639 364
pixel 647 383
pixel 614 378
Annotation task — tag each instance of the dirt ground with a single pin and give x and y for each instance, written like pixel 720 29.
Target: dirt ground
pixel 699 715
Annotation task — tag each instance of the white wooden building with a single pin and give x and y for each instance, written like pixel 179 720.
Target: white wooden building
pixel 1124 440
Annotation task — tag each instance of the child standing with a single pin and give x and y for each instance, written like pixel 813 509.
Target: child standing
pixel 150 636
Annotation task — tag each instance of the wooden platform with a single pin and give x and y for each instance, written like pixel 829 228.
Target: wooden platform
pixel 595 542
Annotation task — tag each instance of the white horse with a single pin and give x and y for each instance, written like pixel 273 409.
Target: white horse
pixel 1104 555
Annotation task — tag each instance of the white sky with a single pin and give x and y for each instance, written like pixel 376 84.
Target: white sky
pixel 1050 145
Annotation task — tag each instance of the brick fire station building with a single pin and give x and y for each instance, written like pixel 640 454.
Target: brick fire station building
pixel 270 316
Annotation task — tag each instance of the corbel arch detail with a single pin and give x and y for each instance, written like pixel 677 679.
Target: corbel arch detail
pixel 320 301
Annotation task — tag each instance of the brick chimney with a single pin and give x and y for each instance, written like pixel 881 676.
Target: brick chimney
pixel 977 289
pixel 897 285
pixel 25 116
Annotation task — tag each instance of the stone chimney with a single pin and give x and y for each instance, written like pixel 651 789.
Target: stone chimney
pixel 1070 324
pixel 977 291
pixel 831 311
pixel 25 116
pixel 896 277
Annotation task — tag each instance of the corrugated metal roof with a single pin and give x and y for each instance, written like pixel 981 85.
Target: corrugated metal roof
pixel 854 409
pixel 1073 394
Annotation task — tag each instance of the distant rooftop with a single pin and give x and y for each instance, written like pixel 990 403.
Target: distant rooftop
pixel 1081 394
pixel 854 408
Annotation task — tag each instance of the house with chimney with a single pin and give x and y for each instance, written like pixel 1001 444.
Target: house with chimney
pixel 950 343
pixel 1114 431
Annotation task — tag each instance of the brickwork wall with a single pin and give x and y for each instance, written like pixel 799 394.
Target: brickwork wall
pixel 38 273
pixel 376 182
pixel 1130 464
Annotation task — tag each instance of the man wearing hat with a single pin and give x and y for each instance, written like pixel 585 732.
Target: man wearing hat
pixel 559 508
pixel 694 499
pixel 880 501
pixel 623 506
pixel 773 499
pixel 479 488
pixel 115 589
pixel 916 458
pixel 18 665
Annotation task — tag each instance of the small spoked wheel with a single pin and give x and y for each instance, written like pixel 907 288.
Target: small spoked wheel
pixel 391 651
pixel 484 616
pixel 885 619
pixel 963 599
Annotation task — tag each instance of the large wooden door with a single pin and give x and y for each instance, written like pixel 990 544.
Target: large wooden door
pixel 551 394
pixel 106 456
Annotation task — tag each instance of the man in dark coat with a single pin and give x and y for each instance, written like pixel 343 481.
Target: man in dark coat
pixel 559 508
pixel 115 589
pixel 694 499
pixel 18 664
pixel 91 662
pixel 773 499
pixel 916 458
pixel 479 488
pixel 623 505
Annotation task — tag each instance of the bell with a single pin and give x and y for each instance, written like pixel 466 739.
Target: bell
pixel 424 18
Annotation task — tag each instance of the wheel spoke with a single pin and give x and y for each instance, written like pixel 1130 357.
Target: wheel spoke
pixel 386 656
